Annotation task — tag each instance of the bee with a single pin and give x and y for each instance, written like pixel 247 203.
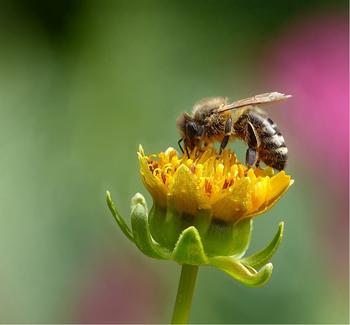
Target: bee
pixel 214 119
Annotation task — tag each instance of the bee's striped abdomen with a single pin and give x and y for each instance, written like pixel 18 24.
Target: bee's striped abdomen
pixel 271 146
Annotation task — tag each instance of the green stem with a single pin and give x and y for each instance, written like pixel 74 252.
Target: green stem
pixel 184 295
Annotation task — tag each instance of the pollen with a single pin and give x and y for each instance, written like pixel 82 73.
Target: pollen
pixel 206 181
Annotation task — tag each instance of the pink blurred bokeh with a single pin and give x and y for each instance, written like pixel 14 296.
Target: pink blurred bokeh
pixel 116 291
pixel 310 61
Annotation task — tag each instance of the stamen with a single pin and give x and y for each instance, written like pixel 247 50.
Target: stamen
pixel 164 178
pixel 157 172
pixel 226 184
pixel 208 187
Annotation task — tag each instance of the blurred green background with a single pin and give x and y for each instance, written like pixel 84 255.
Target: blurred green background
pixel 82 83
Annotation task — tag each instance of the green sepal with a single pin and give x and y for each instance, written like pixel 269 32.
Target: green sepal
pixel 141 232
pixel 242 233
pixel 225 239
pixel 118 218
pixel 242 273
pixel 189 248
pixel 260 258
pixel 219 238
pixel 167 224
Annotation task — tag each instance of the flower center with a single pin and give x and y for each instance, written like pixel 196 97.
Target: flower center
pixel 213 174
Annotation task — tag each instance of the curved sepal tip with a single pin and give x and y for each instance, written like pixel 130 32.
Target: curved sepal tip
pixel 118 218
pixel 242 273
pixel 141 232
pixel 260 258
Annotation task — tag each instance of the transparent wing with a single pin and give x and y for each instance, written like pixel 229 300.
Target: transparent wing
pixel 260 99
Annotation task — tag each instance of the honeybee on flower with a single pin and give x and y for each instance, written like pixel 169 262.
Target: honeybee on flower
pixel 204 205
pixel 214 119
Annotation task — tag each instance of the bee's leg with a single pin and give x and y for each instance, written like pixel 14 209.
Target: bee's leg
pixel 228 131
pixel 187 152
pixel 179 143
pixel 251 157
pixel 198 149
pixel 223 144
pixel 257 164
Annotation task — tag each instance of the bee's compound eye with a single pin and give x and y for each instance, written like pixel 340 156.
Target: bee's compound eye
pixel 192 130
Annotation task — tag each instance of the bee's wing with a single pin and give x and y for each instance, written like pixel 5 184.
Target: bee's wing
pixel 255 100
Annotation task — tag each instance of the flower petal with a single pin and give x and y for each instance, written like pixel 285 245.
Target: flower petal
pixel 278 185
pixel 153 184
pixel 259 191
pixel 184 194
pixel 234 204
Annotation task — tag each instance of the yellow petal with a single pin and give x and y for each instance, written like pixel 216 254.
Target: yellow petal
pixel 154 185
pixel 259 194
pixel 278 185
pixel 236 203
pixel 184 194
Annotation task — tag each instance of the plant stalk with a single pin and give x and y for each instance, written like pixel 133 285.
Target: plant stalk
pixel 184 295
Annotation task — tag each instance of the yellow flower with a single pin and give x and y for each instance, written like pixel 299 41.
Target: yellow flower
pixel 221 185
pixel 202 212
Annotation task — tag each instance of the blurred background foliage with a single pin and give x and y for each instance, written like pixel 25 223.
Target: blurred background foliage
pixel 82 83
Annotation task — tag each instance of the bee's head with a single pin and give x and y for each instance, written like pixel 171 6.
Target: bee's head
pixel 190 130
